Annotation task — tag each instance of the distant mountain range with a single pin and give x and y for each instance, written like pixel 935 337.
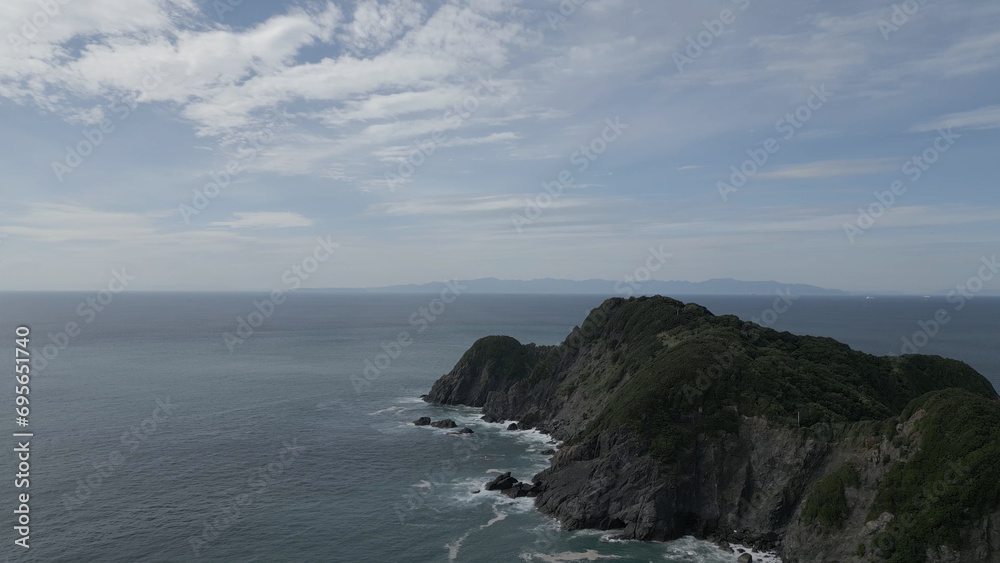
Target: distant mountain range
pixel 721 286
pixel 608 287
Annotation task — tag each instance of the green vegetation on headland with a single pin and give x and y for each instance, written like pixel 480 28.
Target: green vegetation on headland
pixel 828 500
pixel 951 481
pixel 687 372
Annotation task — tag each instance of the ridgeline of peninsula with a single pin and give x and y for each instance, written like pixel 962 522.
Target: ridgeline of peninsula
pixel 677 421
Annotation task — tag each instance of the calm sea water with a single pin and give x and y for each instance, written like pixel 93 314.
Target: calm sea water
pixel 153 442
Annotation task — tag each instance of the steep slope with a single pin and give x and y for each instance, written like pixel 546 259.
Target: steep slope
pixel 678 421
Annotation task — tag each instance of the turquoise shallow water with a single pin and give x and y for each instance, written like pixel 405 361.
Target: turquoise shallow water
pixel 270 453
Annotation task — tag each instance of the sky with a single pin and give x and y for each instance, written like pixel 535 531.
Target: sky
pixel 217 145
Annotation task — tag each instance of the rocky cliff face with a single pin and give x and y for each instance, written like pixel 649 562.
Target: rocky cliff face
pixel 677 422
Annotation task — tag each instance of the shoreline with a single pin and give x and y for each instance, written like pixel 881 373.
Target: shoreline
pixel 607 535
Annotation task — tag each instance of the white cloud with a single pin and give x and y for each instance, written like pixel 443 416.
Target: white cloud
pixel 785 220
pixel 265 220
pixel 503 137
pixel 832 169
pixel 458 205
pixel 375 24
pixel 968 55
pixel 983 118
pixel 52 222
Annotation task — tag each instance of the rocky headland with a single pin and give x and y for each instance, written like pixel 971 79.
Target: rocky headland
pixel 676 421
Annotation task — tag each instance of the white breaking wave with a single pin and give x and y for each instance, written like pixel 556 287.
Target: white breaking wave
pixel 409 400
pixel 394 410
pixel 455 546
pixel 589 555
pixel 689 548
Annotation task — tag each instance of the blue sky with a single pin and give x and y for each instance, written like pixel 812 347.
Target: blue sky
pixel 418 137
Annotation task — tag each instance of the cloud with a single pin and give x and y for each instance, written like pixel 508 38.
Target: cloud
pixel 969 55
pixel 832 169
pixel 459 205
pixel 502 137
pixel 52 222
pixel 218 76
pixel 983 118
pixel 265 220
pixel 375 24
pixel 788 220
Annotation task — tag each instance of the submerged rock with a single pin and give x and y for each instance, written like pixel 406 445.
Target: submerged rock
pixel 422 421
pixel 446 423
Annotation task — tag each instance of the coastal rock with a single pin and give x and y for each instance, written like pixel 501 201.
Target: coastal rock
pixel 524 490
pixel 446 423
pixel 745 558
pixel 512 426
pixel 502 482
pixel 465 430
pixel 422 421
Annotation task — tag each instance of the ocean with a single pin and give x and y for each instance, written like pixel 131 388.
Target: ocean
pixel 156 438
